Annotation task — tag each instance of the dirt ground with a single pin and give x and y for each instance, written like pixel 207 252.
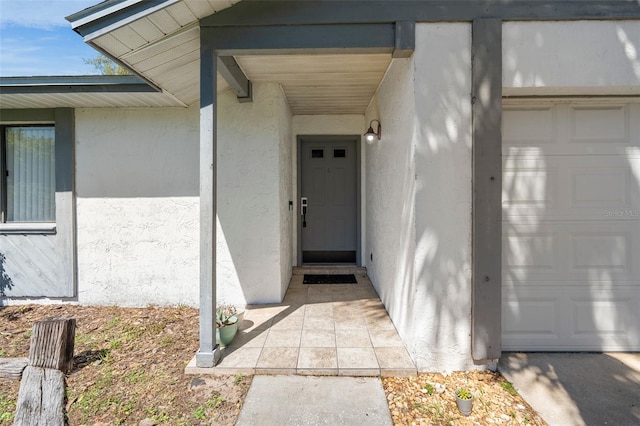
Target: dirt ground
pixel 129 367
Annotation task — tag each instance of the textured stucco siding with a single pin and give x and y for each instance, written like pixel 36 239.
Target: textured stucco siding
pixel 419 197
pixel 390 194
pixel 441 327
pixel 571 57
pixel 138 202
pixel 285 194
pixel 249 198
pixel 137 206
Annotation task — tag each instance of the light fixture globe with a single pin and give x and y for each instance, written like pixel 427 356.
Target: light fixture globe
pixel 371 135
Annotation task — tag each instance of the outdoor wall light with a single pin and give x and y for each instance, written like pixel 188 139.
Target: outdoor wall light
pixel 370 135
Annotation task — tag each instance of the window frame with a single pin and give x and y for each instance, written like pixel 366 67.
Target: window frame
pixel 19 227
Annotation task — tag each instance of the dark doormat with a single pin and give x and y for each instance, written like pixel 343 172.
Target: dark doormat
pixel 329 279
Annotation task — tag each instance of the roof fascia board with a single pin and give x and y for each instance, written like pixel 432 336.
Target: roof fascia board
pixel 98 11
pixel 80 84
pixel 105 23
pixel 287 12
pixel 293 39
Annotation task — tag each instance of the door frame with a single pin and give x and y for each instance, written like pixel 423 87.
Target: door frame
pixel 356 140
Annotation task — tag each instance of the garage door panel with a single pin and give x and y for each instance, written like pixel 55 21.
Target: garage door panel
pixel 572 187
pixel 582 252
pixel 564 129
pixel 565 318
pixel 571 227
pixel 602 125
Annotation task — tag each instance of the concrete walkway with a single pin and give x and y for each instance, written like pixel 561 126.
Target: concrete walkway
pixel 309 400
pixel 578 388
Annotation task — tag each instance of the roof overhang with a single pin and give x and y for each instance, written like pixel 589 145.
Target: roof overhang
pixel 81 91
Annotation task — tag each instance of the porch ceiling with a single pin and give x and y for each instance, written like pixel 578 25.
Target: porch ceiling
pixel 321 84
pixel 161 42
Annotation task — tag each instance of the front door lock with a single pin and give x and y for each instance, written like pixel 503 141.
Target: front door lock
pixel 303 210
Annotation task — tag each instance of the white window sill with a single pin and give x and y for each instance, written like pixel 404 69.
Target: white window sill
pixel 27 228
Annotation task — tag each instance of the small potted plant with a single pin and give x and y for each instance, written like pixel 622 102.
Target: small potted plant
pixel 464 401
pixel 227 324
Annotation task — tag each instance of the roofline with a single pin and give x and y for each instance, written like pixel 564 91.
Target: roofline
pixel 75 84
pixel 113 14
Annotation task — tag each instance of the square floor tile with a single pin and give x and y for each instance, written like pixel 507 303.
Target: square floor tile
pixel 283 339
pixel 318 339
pixel 287 323
pixel 250 339
pixel 352 338
pixel 385 338
pixel 394 358
pixel 357 358
pixel 318 323
pixel 318 358
pixel 278 358
pixel 357 323
pixel 239 358
pixel 320 310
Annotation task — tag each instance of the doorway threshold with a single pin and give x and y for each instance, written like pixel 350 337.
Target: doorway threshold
pixel 329 269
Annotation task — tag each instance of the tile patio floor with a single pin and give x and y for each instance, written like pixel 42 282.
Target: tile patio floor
pixel 318 329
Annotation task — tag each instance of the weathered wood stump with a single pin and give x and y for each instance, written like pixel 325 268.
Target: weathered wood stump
pixel 11 368
pixel 41 398
pixel 41 395
pixel 52 343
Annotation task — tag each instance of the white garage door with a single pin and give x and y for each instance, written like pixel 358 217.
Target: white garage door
pixel 571 227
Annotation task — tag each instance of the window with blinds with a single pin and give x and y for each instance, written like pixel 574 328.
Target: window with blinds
pixel 28 184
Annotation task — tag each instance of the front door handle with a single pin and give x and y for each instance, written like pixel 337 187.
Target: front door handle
pixel 303 210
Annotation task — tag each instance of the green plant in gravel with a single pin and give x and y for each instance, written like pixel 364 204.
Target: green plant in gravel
pixel 429 388
pixel 238 379
pixel 463 393
pixel 7 408
pixel 436 412
pixel 2 353
pixel 508 387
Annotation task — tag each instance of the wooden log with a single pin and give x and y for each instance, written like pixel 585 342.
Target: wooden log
pixel 52 343
pixel 41 398
pixel 11 368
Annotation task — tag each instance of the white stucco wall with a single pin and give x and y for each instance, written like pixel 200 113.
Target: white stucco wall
pixel 441 326
pixel 571 57
pixel 285 120
pixel 251 206
pixel 137 206
pixel 419 197
pixel 347 124
pixel 390 207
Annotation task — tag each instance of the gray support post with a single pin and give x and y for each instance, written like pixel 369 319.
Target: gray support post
pixel 65 200
pixel 209 352
pixel 486 52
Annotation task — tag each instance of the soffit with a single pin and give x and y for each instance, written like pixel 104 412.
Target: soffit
pixel 164 48
pixel 321 84
pixel 86 100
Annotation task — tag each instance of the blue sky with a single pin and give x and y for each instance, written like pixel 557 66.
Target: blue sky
pixel 35 39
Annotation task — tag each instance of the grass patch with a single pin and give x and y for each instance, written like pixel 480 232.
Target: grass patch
pixel 208 409
pixel 508 387
pixel 7 408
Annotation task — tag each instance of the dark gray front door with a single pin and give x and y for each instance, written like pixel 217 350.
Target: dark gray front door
pixel 329 183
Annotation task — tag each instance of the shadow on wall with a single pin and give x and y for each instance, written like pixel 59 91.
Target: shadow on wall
pixel 550 184
pixel 6 283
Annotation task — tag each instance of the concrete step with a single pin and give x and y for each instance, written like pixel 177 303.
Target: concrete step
pixel 329 269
